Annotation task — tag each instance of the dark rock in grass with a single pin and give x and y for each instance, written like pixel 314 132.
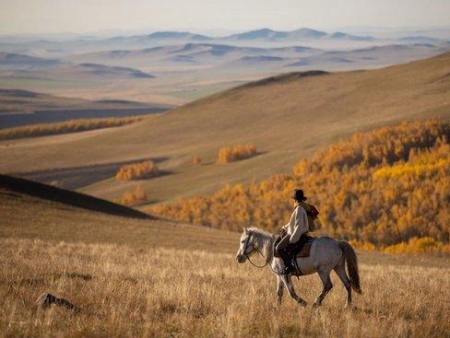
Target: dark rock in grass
pixel 47 299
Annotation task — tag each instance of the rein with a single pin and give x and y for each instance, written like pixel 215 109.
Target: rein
pixel 257 266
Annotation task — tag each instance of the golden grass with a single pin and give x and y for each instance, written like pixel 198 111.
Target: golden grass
pixel 24 216
pixel 160 292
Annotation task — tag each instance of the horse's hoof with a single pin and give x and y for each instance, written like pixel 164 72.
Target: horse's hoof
pixel 316 305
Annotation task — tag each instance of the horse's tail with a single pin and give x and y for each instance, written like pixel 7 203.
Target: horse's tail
pixel 352 265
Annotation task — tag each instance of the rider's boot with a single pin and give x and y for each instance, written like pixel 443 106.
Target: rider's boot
pixel 288 267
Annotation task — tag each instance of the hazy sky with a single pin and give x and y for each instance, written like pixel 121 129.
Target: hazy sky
pixel 83 16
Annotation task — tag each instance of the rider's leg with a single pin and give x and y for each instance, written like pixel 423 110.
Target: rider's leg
pixel 281 250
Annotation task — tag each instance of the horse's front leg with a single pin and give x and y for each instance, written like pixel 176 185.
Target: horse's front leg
pixel 290 286
pixel 280 289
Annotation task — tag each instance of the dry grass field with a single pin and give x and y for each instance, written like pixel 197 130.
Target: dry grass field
pixel 161 292
pixel 147 278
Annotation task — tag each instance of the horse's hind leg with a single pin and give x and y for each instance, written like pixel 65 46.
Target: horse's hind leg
pixel 327 286
pixel 340 271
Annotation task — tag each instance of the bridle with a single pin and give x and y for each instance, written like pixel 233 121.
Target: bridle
pixel 248 255
pixel 268 259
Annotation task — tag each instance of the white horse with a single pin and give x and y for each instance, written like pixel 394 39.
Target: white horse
pixel 326 254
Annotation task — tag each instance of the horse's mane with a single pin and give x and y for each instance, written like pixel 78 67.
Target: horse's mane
pixel 259 231
pixel 263 239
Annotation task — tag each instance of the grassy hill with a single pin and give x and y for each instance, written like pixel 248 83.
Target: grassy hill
pixel 30 210
pixel 47 192
pixel 22 107
pixel 287 117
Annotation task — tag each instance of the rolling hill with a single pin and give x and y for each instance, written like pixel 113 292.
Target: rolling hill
pixel 191 56
pixel 189 66
pixel 42 191
pixel 39 212
pixel 287 117
pixel 23 107
pixel 16 100
pixel 80 72
pixel 13 61
pixel 214 58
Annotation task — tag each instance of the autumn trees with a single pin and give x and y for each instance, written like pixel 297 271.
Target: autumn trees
pixel 71 126
pixel 136 171
pixel 148 169
pixel 389 188
pixel 137 196
pixel 236 153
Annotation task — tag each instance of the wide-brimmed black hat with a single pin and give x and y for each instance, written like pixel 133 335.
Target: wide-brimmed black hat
pixel 299 195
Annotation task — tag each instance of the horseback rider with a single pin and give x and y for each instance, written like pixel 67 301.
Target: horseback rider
pixel 295 232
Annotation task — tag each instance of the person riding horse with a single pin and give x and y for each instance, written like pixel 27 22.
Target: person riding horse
pixel 295 232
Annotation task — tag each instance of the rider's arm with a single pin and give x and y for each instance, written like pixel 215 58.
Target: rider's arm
pixel 301 224
pixel 291 220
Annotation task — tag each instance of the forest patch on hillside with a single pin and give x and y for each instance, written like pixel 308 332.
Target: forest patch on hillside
pixel 387 189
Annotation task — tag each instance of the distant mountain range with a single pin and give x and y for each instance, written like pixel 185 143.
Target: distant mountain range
pixel 174 67
pixel 254 38
pixel 299 34
pixel 212 59
pixel 259 34
pixel 178 35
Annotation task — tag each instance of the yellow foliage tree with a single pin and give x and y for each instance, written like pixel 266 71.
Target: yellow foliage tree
pixel 70 126
pixel 197 160
pixel 136 171
pixel 138 195
pixel 236 153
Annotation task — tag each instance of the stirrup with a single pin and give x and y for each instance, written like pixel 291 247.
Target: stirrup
pixel 288 269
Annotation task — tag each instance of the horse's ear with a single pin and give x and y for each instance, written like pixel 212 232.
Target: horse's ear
pixel 245 230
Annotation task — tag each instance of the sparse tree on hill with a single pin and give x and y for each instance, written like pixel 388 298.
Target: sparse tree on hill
pixel 136 171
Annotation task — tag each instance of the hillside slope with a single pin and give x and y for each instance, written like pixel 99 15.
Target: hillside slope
pixel 47 192
pixel 35 216
pixel 287 117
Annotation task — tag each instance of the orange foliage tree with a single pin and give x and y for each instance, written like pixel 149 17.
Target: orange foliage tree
pixel 236 153
pixel 138 195
pixel 197 160
pixel 380 189
pixel 136 171
pixel 70 126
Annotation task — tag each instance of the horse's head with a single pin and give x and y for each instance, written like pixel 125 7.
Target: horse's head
pixel 246 246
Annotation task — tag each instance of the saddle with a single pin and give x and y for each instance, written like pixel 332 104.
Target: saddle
pixel 299 249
